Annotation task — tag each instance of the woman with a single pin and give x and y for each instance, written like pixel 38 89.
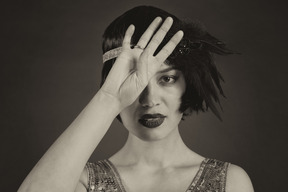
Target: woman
pixel 157 69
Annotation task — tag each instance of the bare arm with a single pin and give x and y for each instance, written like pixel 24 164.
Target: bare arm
pixel 238 180
pixel 62 165
pixel 67 157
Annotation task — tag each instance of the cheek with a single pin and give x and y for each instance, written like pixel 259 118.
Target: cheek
pixel 177 90
pixel 181 90
pixel 128 115
pixel 174 96
pixel 174 101
pixel 125 115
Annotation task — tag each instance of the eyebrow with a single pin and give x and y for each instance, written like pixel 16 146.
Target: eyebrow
pixel 167 70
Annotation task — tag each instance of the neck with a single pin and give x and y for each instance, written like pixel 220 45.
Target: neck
pixel 161 153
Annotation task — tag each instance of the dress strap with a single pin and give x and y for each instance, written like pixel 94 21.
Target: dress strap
pixel 210 177
pixel 101 178
pixel 90 167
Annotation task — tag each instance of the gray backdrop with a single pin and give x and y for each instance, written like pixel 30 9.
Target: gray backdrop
pixel 50 69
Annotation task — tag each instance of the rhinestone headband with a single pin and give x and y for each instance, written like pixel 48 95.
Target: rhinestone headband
pixel 113 53
pixel 184 48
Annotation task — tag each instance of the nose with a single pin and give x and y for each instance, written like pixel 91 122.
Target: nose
pixel 149 96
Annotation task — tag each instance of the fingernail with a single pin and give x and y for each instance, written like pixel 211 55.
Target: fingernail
pixel 169 19
pixel 158 19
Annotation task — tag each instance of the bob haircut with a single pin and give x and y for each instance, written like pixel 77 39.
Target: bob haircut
pixel 193 56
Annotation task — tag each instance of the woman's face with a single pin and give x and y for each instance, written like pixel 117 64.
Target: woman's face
pixel 155 113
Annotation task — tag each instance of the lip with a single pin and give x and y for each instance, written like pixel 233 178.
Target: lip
pixel 152 120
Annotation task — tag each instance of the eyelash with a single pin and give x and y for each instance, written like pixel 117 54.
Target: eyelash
pixel 169 77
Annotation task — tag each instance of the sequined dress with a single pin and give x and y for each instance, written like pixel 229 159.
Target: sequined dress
pixel 211 177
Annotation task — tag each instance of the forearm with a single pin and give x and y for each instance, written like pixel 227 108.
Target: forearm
pixel 60 168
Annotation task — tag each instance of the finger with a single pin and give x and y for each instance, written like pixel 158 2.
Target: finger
pixel 159 36
pixel 127 38
pixel 142 68
pixel 169 47
pixel 146 68
pixel 145 38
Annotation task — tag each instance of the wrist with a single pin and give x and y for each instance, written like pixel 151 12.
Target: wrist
pixel 108 102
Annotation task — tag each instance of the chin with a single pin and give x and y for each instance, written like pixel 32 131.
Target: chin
pixel 149 137
pixel 154 134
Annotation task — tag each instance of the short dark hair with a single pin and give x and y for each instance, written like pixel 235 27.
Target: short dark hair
pixel 193 56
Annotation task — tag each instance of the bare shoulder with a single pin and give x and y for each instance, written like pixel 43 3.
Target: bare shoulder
pixel 82 185
pixel 238 180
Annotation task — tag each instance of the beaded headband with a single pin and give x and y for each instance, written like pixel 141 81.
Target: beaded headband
pixel 185 47
pixel 113 53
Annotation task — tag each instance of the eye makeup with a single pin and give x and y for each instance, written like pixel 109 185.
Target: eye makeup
pixel 169 76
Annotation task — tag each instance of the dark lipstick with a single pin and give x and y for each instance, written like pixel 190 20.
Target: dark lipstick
pixel 151 120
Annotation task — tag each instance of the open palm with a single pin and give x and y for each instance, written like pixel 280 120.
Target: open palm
pixel 134 67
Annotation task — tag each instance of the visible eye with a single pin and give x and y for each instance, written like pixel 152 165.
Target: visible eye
pixel 168 79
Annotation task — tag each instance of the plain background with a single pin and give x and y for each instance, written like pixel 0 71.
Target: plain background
pixel 51 65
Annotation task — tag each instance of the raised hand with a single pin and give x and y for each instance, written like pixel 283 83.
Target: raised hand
pixel 134 67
